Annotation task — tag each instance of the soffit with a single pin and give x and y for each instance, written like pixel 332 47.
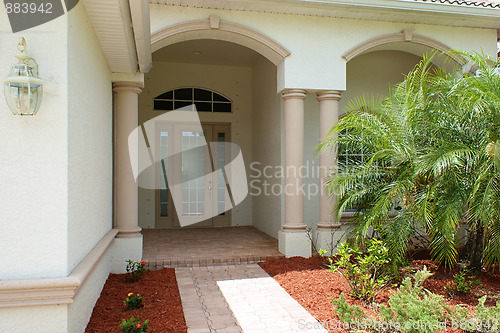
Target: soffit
pixel 111 21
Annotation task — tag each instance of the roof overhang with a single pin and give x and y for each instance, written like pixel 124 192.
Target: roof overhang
pixel 122 28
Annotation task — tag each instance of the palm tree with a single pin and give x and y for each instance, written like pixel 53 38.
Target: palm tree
pixel 431 161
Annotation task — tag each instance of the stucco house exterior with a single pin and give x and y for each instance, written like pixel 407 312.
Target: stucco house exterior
pixel 270 76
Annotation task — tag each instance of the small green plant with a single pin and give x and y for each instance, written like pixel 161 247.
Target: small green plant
pixel 133 301
pixel 462 283
pixel 415 308
pixel 134 325
pixel 347 313
pixel 366 272
pixel 465 282
pixel 135 269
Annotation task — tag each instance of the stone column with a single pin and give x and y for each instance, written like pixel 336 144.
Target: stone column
pixel 128 244
pixel 328 225
pixel 293 240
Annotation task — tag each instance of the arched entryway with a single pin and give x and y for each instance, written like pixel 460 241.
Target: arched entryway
pixel 211 62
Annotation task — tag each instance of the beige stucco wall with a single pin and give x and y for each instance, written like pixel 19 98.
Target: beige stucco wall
pixel 233 82
pixel 266 146
pixel 33 171
pixel 89 139
pixel 55 190
pixel 79 312
pixel 316 44
pixel 35 319
pixel 373 74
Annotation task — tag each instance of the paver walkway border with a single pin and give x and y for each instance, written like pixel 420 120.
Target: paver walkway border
pixel 239 298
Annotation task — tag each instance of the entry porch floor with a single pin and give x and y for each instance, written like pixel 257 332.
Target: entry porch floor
pixel 195 247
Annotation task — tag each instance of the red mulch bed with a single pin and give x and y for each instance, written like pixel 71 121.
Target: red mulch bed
pixel 162 303
pixel 312 286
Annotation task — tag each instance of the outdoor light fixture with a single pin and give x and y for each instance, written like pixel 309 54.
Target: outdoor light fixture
pixel 23 87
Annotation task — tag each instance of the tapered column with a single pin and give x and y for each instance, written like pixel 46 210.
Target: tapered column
pixel 126 204
pixel 328 231
pixel 294 158
pixel 328 117
pixel 293 240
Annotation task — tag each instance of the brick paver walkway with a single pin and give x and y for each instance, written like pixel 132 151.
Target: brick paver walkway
pixel 239 298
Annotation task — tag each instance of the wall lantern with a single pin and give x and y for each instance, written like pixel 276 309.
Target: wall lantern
pixel 23 88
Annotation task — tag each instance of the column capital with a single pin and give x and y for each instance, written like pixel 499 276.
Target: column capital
pixel 127 86
pixel 332 95
pixel 294 94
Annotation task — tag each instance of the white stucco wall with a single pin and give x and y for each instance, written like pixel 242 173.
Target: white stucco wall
pixel 89 139
pixel 266 148
pixel 233 82
pixel 33 171
pixel 316 44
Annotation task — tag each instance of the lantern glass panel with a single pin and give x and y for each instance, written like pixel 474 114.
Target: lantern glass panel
pixel 23 90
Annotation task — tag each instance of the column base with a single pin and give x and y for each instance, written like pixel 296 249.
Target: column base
pixel 294 243
pixel 125 249
pixel 326 238
pixel 129 233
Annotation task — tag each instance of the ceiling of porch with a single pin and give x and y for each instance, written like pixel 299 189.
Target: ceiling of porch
pixel 209 52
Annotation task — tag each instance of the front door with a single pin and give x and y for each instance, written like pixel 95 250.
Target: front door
pixel 200 193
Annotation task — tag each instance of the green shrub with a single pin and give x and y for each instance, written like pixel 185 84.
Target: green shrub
pixel 134 325
pixel 488 316
pixel 484 319
pixel 365 272
pixel 414 308
pixel 347 313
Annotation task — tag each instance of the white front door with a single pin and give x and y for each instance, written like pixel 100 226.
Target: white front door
pixel 188 180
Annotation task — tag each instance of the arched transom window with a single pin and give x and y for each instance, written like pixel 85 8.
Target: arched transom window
pixel 205 100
